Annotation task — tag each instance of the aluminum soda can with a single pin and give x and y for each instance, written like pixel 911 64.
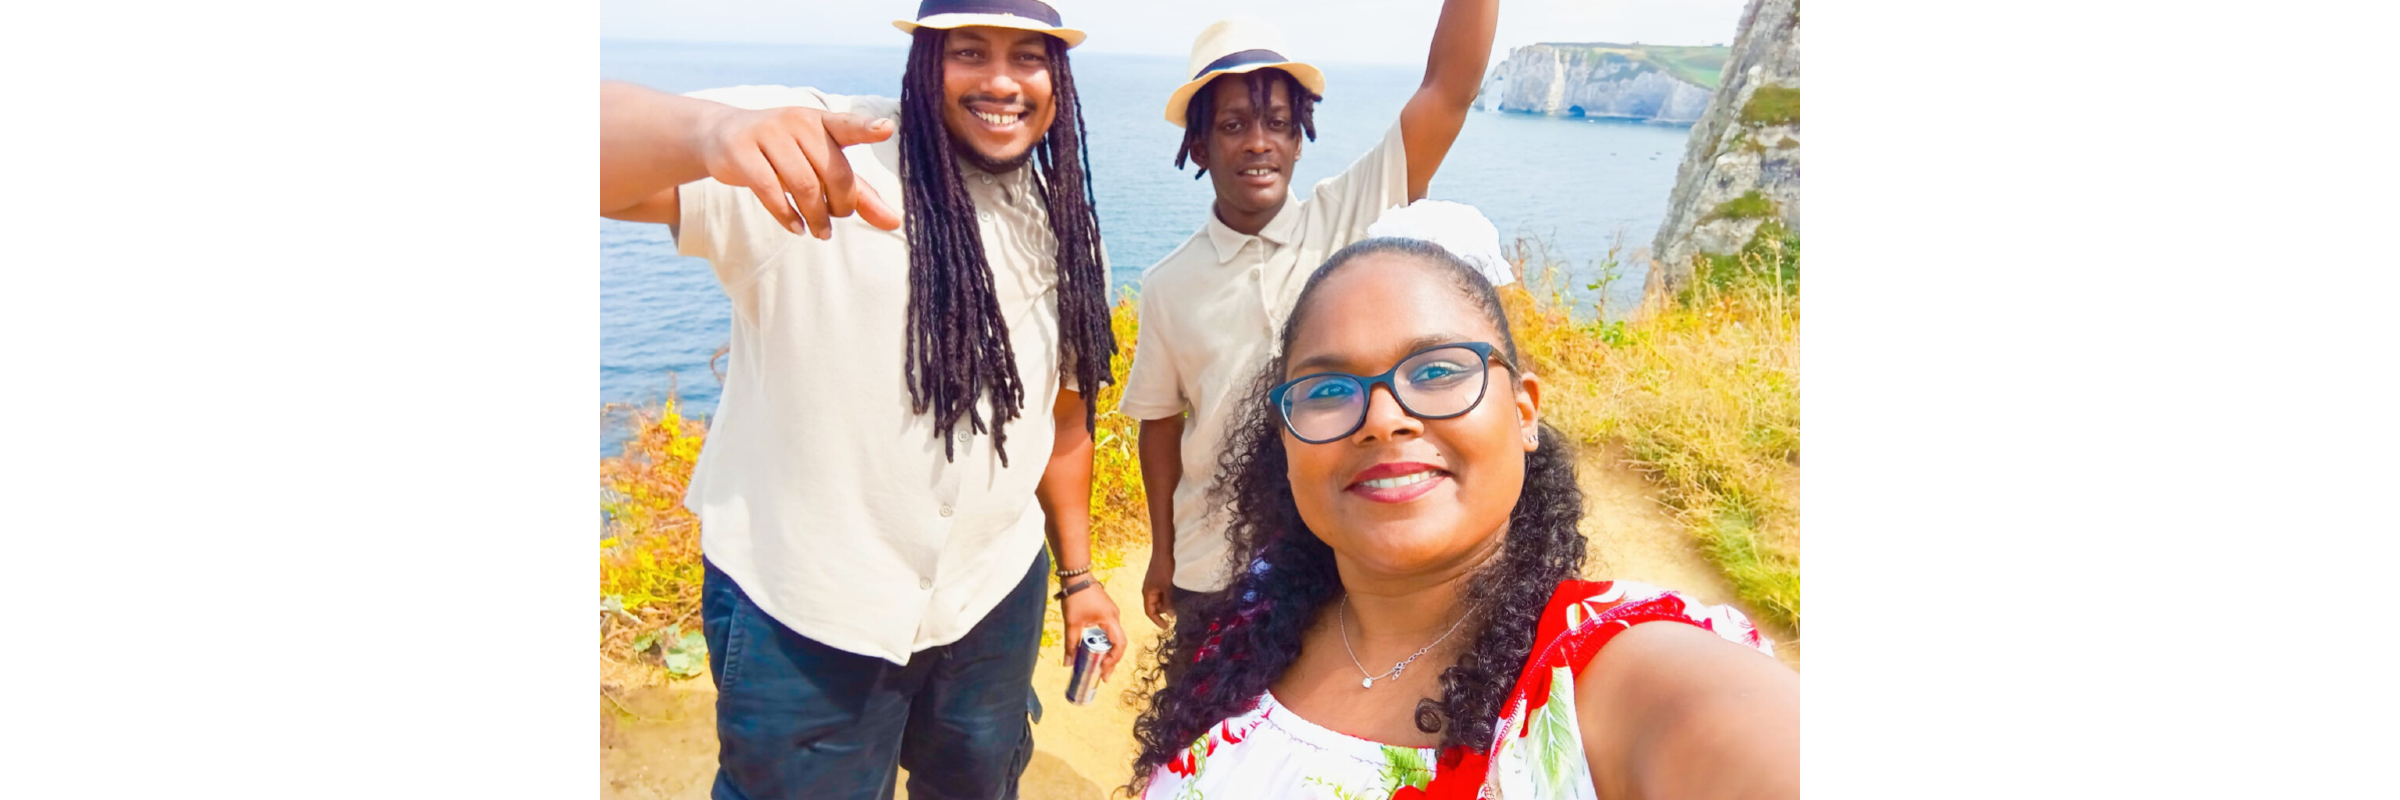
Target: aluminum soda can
pixel 1084 683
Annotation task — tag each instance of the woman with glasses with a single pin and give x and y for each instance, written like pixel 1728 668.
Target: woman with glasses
pixel 1409 620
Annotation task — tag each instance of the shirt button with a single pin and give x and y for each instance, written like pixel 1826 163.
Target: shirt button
pixel 984 215
pixel 986 178
pixel 924 583
pixel 945 511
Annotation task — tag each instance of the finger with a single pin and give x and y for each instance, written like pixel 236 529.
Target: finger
pixel 1151 603
pixel 1108 664
pixel 762 182
pixel 873 209
pixel 800 179
pixel 833 171
pixel 850 129
pixel 1066 640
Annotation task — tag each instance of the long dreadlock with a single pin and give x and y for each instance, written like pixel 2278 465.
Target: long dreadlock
pixel 958 346
pixel 1200 115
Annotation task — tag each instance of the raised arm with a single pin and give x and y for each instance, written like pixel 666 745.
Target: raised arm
pixel 1671 710
pixel 1462 47
pixel 652 142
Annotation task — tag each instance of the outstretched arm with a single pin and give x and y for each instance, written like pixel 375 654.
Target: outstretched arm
pixel 1462 47
pixel 1672 710
pixel 652 142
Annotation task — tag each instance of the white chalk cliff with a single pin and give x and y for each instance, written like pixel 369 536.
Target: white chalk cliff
pixel 1594 80
pixel 1748 143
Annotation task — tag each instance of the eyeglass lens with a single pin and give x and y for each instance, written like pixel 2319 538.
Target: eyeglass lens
pixel 1437 383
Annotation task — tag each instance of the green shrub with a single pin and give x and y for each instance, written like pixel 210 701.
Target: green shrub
pixel 1772 105
pixel 1751 205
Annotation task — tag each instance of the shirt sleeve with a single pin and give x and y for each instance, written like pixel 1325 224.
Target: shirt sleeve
pixel 725 224
pixel 1347 203
pixel 1153 389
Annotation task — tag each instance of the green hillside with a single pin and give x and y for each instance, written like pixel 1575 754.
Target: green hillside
pixel 1700 65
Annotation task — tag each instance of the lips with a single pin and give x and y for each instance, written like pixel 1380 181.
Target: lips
pixel 1261 174
pixel 1397 482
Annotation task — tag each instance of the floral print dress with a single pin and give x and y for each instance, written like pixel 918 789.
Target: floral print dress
pixel 1269 753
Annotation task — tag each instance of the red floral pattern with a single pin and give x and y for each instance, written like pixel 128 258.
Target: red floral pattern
pixel 1580 618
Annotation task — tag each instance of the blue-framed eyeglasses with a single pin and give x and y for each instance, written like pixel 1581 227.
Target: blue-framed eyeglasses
pixel 1437 382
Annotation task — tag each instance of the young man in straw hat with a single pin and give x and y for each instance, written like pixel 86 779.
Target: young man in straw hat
pixel 906 277
pixel 1210 309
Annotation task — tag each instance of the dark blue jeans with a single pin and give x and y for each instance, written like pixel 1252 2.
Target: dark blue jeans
pixel 796 718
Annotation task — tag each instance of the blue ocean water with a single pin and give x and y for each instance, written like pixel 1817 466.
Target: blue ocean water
pixel 1580 184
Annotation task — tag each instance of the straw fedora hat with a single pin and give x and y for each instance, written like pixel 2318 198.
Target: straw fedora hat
pixel 1024 15
pixel 1232 47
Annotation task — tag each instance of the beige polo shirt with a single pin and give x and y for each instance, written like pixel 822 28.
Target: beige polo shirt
pixel 1211 312
pixel 819 492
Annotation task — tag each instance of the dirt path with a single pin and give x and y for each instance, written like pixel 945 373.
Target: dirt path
pixel 660 741
pixel 1634 537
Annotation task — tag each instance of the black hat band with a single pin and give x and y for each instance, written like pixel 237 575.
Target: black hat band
pixel 1029 9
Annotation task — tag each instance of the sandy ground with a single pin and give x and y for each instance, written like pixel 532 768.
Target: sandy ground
pixel 659 741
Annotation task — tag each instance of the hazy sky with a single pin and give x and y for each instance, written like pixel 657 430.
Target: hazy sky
pixel 1387 31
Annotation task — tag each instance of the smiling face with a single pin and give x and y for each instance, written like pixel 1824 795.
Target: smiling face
pixel 1401 495
pixel 1249 154
pixel 996 93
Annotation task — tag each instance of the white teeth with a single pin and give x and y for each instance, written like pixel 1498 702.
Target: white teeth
pixel 996 119
pixel 1257 171
pixel 1399 481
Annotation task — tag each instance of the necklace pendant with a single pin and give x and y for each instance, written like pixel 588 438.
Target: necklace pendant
pixel 1368 683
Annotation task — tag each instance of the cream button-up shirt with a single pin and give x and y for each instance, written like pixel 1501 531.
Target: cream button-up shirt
pixel 819 491
pixel 1211 314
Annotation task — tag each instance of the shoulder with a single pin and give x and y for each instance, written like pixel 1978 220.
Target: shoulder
pixel 1585 617
pixel 873 105
pixel 760 96
pixel 1179 265
pixel 1194 249
pixel 1599 609
pixel 1644 635
pixel 757 96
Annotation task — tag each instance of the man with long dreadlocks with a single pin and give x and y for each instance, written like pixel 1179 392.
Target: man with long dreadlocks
pixel 874 562
pixel 1210 309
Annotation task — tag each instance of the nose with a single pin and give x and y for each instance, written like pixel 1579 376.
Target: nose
pixel 998 83
pixel 1257 140
pixel 1386 420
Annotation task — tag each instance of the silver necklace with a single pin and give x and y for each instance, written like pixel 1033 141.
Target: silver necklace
pixel 1343 622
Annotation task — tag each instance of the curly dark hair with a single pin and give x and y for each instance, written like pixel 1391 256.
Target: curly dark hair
pixel 1203 108
pixel 958 348
pixel 1234 644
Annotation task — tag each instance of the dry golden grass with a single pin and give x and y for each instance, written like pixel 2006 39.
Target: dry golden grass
pixel 1120 516
pixel 1703 391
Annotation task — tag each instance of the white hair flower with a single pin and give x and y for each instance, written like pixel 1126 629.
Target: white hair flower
pixel 1457 227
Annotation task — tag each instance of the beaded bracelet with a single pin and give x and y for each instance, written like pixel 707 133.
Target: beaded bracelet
pixel 1074 572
